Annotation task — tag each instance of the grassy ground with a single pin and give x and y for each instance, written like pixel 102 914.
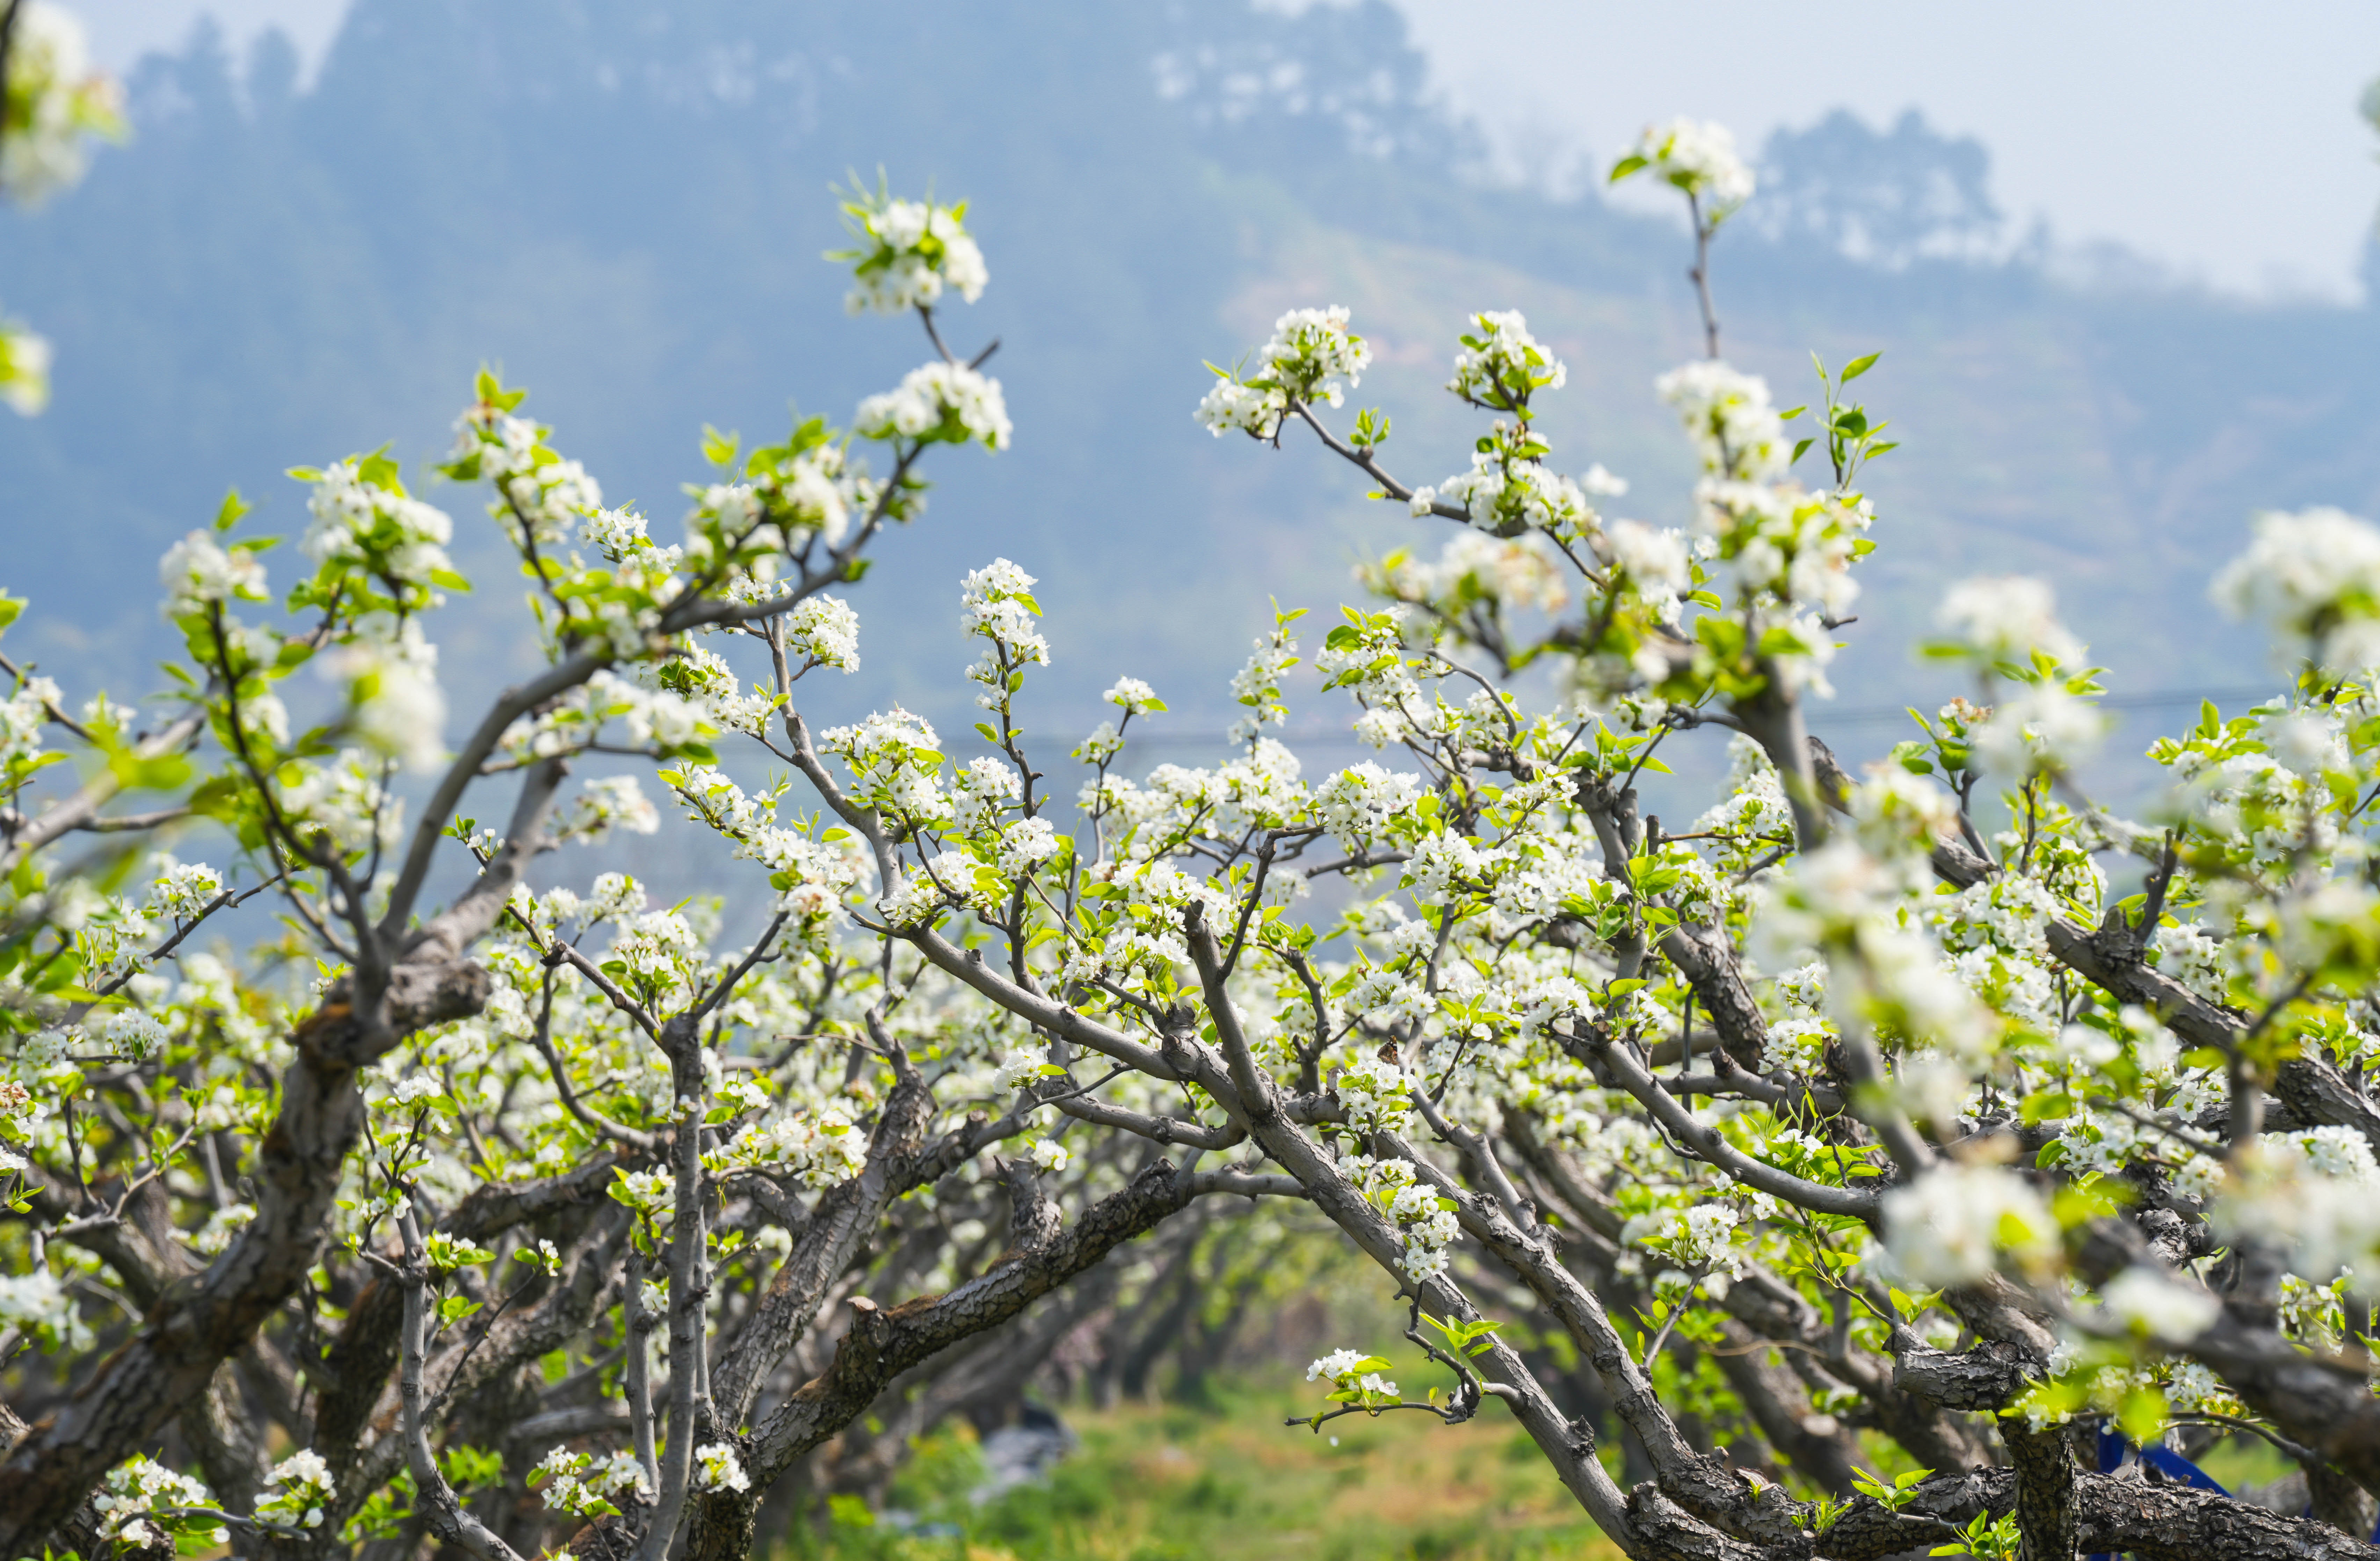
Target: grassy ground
pixel 1229 1483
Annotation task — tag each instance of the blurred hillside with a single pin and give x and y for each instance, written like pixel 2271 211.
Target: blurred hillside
pixel 623 205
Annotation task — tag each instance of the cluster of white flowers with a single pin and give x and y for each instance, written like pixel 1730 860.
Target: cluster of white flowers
pixel 608 803
pixel 22 716
pixel 24 356
pixel 1356 1376
pixel 222 1225
pixel 2313 576
pixel 1331 1367
pixel 1501 364
pixel 1730 418
pixel 196 573
pixel 2006 618
pixel 1701 1235
pixel 56 103
pixel 1025 845
pixel 1310 358
pixel 825 631
pixel 1797 545
pixel 1358 804
pixel 895 757
pixel 376 526
pixel 658 947
pixel 1509 490
pixel 621 537
pixel 915 250
pixel 2158 1306
pixel 704 679
pixel 996 604
pixel 1375 1094
pixel 1425 1220
pixel 582 1484
pixel 654 716
pixel 2312 1192
pixel 1257 683
pixel 793 494
pixel 1134 698
pixel 1515 572
pixel 1255 410
pixel 939 400
pixel 981 791
pixel 2038 727
pixel 716 1468
pixel 20 1110
pixel 1952 1225
pixel 820 1148
pixel 182 890
pixel 342 799
pixel 396 708
pixel 924 892
pixel 645 1191
pixel 297 1491
pixel 1384 996
pixel 548 494
pixel 140 1487
pixel 1657 558
pixel 130 1033
pixel 1697 156
pixel 40 1307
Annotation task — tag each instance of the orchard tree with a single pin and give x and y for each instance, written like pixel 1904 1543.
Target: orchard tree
pixel 1907 1130
pixel 365 1186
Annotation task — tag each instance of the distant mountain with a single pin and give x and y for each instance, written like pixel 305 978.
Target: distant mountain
pixel 623 203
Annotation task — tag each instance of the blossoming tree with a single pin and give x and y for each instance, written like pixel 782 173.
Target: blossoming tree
pixel 454 1143
pixel 1902 1131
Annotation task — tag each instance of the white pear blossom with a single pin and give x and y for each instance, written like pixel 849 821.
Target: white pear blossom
pixel 1697 156
pixel 939 400
pixel 196 574
pixel 1950 1226
pixel 2007 619
pixel 2313 576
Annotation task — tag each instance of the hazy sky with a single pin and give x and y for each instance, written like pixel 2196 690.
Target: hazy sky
pixel 2220 139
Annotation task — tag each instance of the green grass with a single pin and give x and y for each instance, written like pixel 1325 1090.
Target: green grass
pixel 1230 1483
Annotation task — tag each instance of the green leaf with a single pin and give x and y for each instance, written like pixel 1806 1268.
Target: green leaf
pixel 1859 365
pixel 2142 1414
pixel 233 507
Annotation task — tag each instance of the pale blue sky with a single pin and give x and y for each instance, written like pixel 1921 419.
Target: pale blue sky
pixel 2217 138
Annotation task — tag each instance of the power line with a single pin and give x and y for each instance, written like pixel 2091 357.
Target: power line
pixel 1819 717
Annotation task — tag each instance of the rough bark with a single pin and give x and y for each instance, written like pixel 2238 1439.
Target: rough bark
pixel 878 1345
pixel 2047 1517
pixel 2320 1095
pixel 197 1323
pixel 846 1214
